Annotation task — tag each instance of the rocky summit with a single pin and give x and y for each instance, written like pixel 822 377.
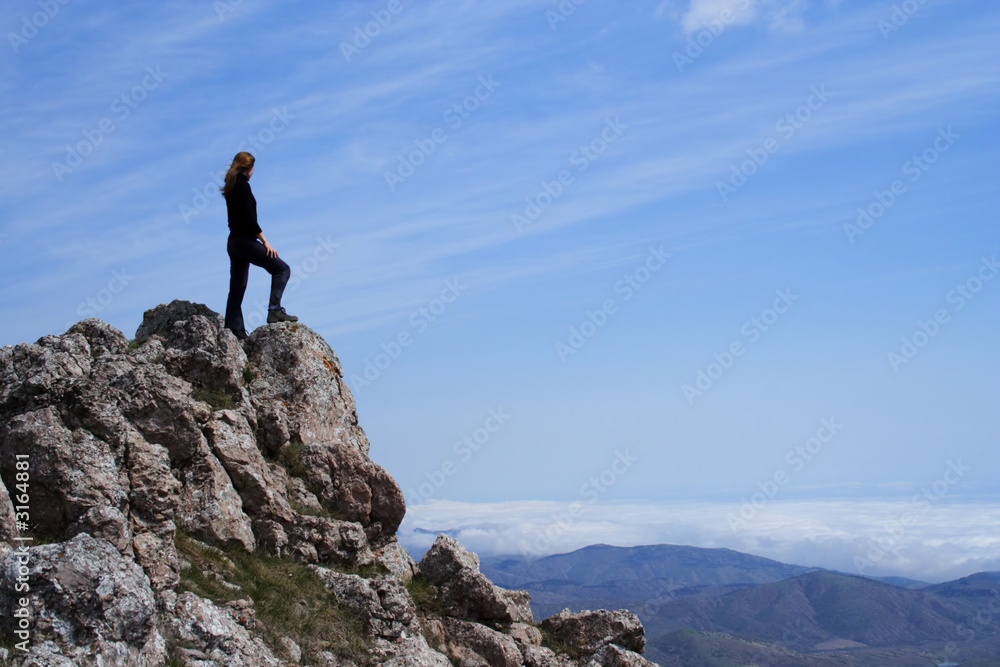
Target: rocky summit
pixel 183 498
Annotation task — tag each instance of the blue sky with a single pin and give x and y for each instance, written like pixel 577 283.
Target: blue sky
pixel 747 246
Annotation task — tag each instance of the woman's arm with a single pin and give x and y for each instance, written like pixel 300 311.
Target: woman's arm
pixel 271 252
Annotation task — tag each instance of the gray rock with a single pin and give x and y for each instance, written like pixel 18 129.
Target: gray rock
pixel 8 525
pixel 315 539
pixel 491 647
pixel 160 320
pixel 214 631
pixel 128 444
pixel 393 557
pixel 540 656
pixel 465 591
pixel 101 336
pixel 300 388
pixel 525 634
pixel 163 409
pixel 612 655
pixel 589 631
pixel 355 488
pixel 76 473
pixel 209 508
pixel 233 443
pixel 383 601
pixel 413 652
pixel 88 600
pixel 200 350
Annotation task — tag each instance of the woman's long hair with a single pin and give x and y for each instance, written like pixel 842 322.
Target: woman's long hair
pixel 242 163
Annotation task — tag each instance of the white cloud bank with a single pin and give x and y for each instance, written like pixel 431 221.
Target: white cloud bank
pixel 930 542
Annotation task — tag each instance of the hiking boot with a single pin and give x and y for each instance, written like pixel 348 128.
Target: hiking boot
pixel 240 334
pixel 278 314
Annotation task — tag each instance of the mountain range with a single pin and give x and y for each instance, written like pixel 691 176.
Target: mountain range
pixel 721 607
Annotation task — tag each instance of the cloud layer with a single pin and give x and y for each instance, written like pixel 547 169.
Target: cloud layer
pixel 922 540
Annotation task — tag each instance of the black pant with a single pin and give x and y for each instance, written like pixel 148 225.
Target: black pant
pixel 243 252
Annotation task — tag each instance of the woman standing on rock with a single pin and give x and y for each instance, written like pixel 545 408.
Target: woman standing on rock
pixel 247 246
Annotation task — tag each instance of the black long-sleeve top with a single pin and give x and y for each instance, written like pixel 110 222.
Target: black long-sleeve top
pixel 242 209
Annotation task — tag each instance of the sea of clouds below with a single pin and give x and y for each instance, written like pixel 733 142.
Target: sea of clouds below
pixel 924 541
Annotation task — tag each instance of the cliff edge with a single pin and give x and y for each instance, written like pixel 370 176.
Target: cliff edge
pixel 185 499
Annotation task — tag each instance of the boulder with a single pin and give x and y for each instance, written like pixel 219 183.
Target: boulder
pixel 589 631
pixel 612 655
pixel 487 646
pixel 354 488
pixel 95 606
pixel 466 592
pixel 298 390
pixel 382 601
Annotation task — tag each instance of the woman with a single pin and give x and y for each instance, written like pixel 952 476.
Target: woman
pixel 247 246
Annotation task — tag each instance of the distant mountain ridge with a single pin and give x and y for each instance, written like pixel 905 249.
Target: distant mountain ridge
pixel 719 607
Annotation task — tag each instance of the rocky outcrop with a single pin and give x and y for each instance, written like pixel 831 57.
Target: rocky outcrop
pixel 589 632
pixel 125 449
pixel 465 591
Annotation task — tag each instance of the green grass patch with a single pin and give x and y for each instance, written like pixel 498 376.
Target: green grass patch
pixel 425 596
pixel 249 374
pixel 218 400
pixel 550 641
pixel 289 599
pixel 290 457
pixel 311 511
pixel 134 345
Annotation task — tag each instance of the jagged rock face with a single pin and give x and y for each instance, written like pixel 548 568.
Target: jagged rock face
pixel 465 591
pixel 86 599
pixel 255 446
pixel 130 444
